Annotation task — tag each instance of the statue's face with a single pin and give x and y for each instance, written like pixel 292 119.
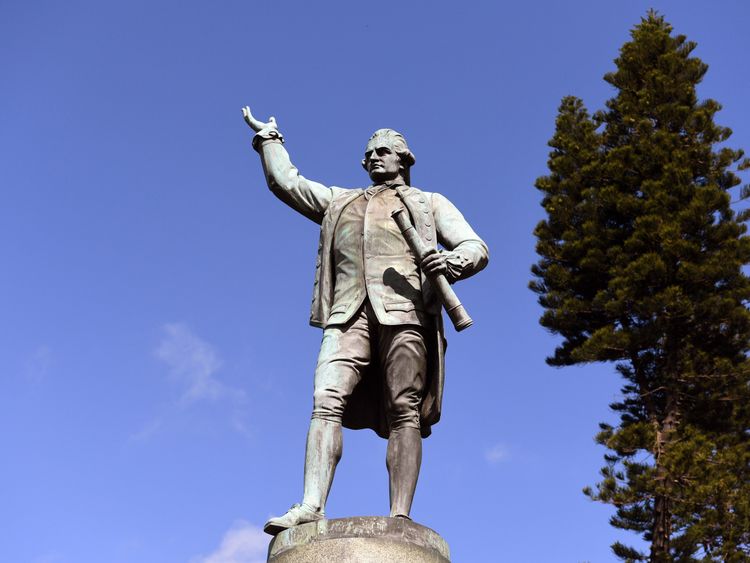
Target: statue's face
pixel 382 162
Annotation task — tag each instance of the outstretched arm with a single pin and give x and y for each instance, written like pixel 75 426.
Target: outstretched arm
pixel 308 197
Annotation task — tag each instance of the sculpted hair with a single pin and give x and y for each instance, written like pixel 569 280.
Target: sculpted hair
pixel 397 141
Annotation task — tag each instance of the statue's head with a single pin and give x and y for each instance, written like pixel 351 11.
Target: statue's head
pixel 387 156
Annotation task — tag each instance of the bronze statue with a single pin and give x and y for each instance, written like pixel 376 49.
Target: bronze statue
pixel 381 358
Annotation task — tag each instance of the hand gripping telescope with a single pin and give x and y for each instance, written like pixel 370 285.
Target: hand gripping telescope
pixel 458 315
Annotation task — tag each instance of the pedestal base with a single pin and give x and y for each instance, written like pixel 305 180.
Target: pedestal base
pixel 363 539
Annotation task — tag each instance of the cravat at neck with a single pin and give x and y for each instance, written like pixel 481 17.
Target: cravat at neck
pixel 376 189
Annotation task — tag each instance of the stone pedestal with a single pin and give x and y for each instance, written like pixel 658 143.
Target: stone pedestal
pixel 363 539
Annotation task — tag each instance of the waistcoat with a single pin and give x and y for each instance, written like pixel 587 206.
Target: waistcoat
pixel 387 275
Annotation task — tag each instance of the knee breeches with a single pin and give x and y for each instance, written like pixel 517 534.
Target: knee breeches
pixel 348 350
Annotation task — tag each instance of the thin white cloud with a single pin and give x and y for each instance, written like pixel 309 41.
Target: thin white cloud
pixel 192 362
pixel 496 454
pixel 148 430
pixel 193 365
pixel 242 543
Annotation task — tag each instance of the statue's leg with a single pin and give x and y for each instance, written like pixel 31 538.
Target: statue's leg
pixel 322 455
pixel 403 353
pixel 344 353
pixel 403 459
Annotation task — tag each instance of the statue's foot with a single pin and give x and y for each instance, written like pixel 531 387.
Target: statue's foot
pixel 401 515
pixel 298 514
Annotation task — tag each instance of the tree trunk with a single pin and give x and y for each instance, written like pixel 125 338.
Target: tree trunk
pixel 662 530
pixel 662 524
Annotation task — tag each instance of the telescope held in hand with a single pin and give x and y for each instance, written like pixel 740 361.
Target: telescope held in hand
pixel 456 312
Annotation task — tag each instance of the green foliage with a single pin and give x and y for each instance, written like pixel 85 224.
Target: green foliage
pixel 640 264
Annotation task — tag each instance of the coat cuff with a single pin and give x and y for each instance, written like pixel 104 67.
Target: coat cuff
pixel 456 263
pixel 268 133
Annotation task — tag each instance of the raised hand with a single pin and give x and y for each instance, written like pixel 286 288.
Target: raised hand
pixel 254 124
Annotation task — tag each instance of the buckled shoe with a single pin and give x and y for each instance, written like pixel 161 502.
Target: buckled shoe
pixel 298 514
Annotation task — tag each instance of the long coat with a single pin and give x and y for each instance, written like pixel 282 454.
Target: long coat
pixel 366 408
pixel 435 219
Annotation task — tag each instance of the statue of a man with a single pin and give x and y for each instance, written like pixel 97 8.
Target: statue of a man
pixel 381 358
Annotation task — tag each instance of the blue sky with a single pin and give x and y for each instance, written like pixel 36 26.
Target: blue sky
pixel 156 359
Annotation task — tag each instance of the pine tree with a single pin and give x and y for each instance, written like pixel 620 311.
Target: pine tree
pixel 641 264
